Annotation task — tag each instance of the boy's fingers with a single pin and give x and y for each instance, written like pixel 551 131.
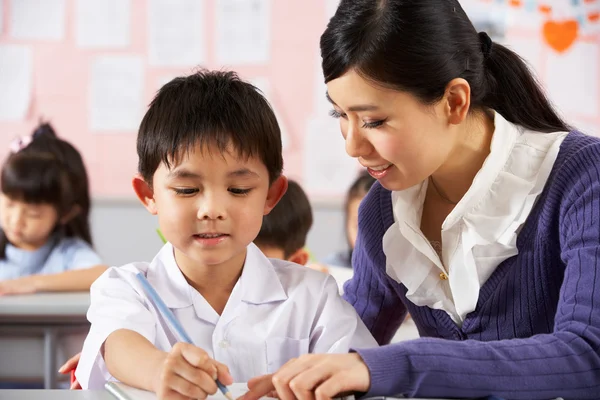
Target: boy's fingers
pixel 223 373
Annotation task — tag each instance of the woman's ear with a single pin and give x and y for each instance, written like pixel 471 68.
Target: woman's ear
pixel 145 193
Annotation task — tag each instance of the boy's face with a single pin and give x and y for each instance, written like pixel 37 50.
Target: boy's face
pixel 210 205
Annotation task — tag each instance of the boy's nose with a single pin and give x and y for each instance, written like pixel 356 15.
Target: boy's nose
pixel 211 209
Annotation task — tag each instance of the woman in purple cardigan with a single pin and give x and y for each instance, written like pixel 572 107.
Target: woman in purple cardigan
pixel 484 224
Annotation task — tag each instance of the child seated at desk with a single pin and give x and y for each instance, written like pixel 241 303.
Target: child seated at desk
pixel 210 166
pixel 45 241
pixel 284 230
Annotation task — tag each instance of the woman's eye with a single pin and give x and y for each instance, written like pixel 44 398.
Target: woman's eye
pixel 373 124
pixel 335 114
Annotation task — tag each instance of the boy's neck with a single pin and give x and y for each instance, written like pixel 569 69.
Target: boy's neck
pixel 214 282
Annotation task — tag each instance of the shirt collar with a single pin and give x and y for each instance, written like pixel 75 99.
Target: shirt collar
pixel 259 282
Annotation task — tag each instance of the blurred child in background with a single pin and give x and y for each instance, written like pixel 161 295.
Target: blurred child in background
pixel 45 241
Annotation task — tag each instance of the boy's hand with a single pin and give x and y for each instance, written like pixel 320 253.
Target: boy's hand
pixel 188 372
pixel 71 365
pixel 314 376
pixel 18 286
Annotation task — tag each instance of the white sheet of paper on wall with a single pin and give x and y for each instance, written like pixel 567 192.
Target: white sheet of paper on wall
pixel 176 33
pixel 264 85
pixel 116 93
pixel 37 19
pixel 572 79
pixel 328 169
pixel 103 24
pixel 243 31
pixel 16 81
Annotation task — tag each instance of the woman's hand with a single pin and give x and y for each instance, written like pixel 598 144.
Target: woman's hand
pixel 313 376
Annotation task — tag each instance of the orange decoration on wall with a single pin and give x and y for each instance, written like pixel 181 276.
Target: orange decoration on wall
pixel 560 35
pixel 594 17
pixel 516 3
pixel 545 9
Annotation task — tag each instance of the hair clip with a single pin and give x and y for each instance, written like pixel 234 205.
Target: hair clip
pixel 20 143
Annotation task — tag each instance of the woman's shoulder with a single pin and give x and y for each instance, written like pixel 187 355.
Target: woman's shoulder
pixel 578 160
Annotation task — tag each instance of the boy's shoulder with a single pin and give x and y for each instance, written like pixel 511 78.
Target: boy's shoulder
pixel 299 279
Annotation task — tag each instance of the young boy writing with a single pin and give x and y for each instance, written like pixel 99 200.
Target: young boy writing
pixel 210 167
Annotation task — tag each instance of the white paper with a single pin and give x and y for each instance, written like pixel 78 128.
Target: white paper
pixel 243 31
pixel 116 92
pixel 176 33
pixel 1 17
pixel 16 75
pixel 264 85
pixel 328 169
pixel 103 24
pixel 572 79
pixel 124 392
pixel 37 19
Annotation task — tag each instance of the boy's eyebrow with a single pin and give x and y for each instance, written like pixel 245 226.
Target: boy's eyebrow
pixel 183 173
pixel 360 107
pixel 242 172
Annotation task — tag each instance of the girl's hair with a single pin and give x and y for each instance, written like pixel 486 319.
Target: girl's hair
pixel 419 46
pixel 45 169
pixel 359 189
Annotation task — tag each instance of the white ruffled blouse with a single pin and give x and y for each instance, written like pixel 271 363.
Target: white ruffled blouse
pixel 480 232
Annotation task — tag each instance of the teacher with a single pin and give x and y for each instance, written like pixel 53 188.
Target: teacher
pixel 484 224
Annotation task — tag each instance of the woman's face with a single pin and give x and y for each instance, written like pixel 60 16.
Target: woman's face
pixel 399 139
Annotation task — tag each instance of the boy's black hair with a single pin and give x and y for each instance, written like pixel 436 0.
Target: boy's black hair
pixel 51 171
pixel 287 225
pixel 208 108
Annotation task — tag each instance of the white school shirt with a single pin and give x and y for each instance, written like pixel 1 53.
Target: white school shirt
pixel 480 232
pixel 277 310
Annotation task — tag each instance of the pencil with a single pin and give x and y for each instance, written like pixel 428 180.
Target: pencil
pixel 164 310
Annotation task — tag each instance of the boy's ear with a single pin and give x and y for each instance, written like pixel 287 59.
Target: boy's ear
pixel 70 215
pixel 301 257
pixel 145 193
pixel 276 192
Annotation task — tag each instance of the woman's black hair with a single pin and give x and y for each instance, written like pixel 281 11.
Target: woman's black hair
pixel 45 169
pixel 419 46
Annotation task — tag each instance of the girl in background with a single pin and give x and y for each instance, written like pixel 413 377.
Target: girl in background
pixel 45 241
pixel 358 190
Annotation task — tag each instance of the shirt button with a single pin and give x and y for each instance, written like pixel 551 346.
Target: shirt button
pixel 223 344
pixel 443 276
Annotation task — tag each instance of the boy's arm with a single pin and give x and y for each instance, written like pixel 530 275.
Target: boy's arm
pixel 132 359
pixel 68 281
pixel 337 327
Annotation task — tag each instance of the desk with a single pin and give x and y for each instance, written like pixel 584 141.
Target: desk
pixel 55 395
pixel 46 315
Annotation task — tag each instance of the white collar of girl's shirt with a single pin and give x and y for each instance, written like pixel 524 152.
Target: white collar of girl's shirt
pixel 487 219
pixel 258 284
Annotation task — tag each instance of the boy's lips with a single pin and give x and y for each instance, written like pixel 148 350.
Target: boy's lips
pixel 210 238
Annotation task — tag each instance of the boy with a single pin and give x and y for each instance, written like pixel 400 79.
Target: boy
pixel 210 167
pixel 284 230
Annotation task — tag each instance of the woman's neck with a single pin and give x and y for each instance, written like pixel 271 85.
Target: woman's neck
pixel 456 175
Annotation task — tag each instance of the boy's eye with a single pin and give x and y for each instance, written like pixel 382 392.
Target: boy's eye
pixel 185 191
pixel 239 192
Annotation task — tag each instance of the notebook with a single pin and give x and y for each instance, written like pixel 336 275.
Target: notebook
pixel 122 391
